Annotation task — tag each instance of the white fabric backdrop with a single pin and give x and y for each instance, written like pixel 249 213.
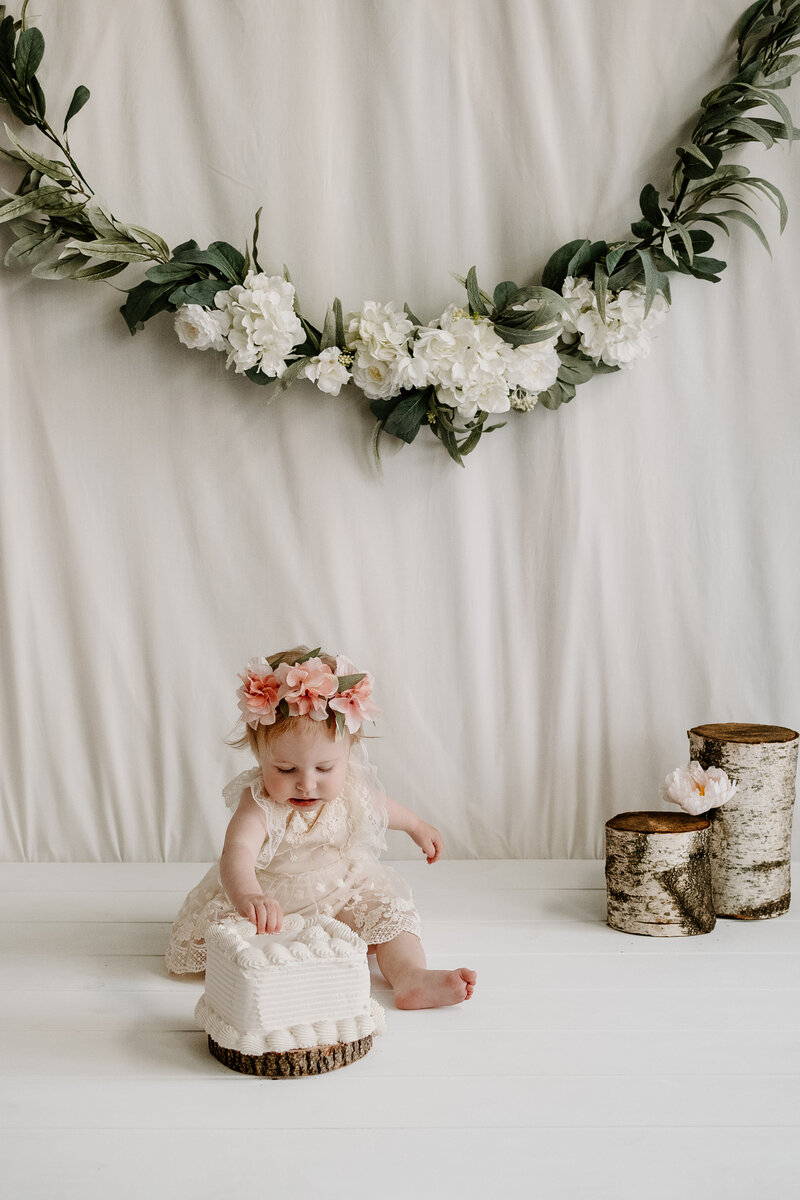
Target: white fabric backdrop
pixel 545 625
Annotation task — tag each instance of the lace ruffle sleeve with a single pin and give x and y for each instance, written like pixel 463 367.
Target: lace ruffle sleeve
pixel 232 791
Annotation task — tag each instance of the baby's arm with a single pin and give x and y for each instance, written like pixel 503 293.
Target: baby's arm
pixel 427 838
pixel 237 867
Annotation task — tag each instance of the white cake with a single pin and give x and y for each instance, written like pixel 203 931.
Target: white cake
pixel 304 987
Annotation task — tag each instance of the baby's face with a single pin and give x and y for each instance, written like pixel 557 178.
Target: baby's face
pixel 304 768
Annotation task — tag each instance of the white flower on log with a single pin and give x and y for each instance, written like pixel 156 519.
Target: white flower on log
pixel 697 790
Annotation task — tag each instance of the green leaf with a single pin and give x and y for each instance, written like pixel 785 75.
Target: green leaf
pixel 143 302
pixel 349 681
pixel 470 442
pixel 98 271
pixel 184 246
pixel 79 98
pixel 650 206
pixel 256 224
pixel 414 320
pixel 450 443
pixel 29 53
pixel 8 37
pixel 779 106
pixel 38 200
pixel 401 416
pixel 233 257
pixel 214 257
pixel 337 308
pixel 752 132
pixel 516 336
pixel 707 268
pixel 575 369
pixel 697 163
pixel 701 240
pixel 642 229
pixel 311 654
pixel 600 288
pixel 747 19
pixel 101 221
pixel 651 278
pixel 47 166
pixel 339 719
pixel 39 102
pixel 329 331
pixel 118 251
pixel 557 267
pixel 170 272
pixel 474 293
pixel 503 293
pixel 293 372
pixel 556 395
pixel 683 233
pixel 202 292
pixel 149 239
pixel 735 214
pixel 35 247
pixel 63 268
pixel 615 255
pixel 773 194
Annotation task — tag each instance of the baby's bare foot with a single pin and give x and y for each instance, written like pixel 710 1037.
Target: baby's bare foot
pixel 435 989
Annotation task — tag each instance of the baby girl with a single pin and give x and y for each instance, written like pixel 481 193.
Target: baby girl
pixel 308 827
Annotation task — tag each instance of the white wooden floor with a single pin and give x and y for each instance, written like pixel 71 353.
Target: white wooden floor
pixel 589 1063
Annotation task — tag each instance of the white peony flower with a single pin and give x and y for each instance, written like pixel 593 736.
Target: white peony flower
pixel 200 328
pixel 534 366
pixel 380 331
pixel 379 337
pixel 264 328
pixel 697 790
pixel 624 335
pixel 327 371
pixel 466 361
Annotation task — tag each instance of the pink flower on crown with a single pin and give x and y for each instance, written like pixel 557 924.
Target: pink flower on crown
pixel 259 693
pixel 356 704
pixel 307 687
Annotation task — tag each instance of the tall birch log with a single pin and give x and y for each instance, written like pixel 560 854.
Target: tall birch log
pixel 658 874
pixel 751 835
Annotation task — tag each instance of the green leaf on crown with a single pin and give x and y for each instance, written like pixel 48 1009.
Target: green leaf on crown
pixel 349 681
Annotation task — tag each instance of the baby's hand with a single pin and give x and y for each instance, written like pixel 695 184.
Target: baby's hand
pixel 429 841
pixel 264 912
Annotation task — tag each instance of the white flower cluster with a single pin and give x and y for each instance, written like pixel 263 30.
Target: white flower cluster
pixel 624 335
pixel 472 368
pixel 255 322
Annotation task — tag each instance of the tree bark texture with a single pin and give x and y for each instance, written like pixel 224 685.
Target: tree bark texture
pixel 751 835
pixel 292 1064
pixel 658 874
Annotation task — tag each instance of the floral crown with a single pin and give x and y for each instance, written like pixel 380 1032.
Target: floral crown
pixel 307 688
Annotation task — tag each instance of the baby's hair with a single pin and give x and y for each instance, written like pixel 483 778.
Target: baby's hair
pixel 262 735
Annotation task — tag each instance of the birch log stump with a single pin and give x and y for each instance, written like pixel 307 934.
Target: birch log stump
pixel 751 835
pixel 658 874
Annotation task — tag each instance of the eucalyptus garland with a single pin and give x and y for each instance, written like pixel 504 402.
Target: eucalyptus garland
pixel 515 347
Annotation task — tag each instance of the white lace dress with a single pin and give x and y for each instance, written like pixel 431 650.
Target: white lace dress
pixel 322 862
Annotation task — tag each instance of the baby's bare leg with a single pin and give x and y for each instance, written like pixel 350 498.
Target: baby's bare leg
pixel 402 964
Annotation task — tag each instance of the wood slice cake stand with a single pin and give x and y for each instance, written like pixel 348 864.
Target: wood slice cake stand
pixel 293 1064
pixel 658 874
pixel 751 835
